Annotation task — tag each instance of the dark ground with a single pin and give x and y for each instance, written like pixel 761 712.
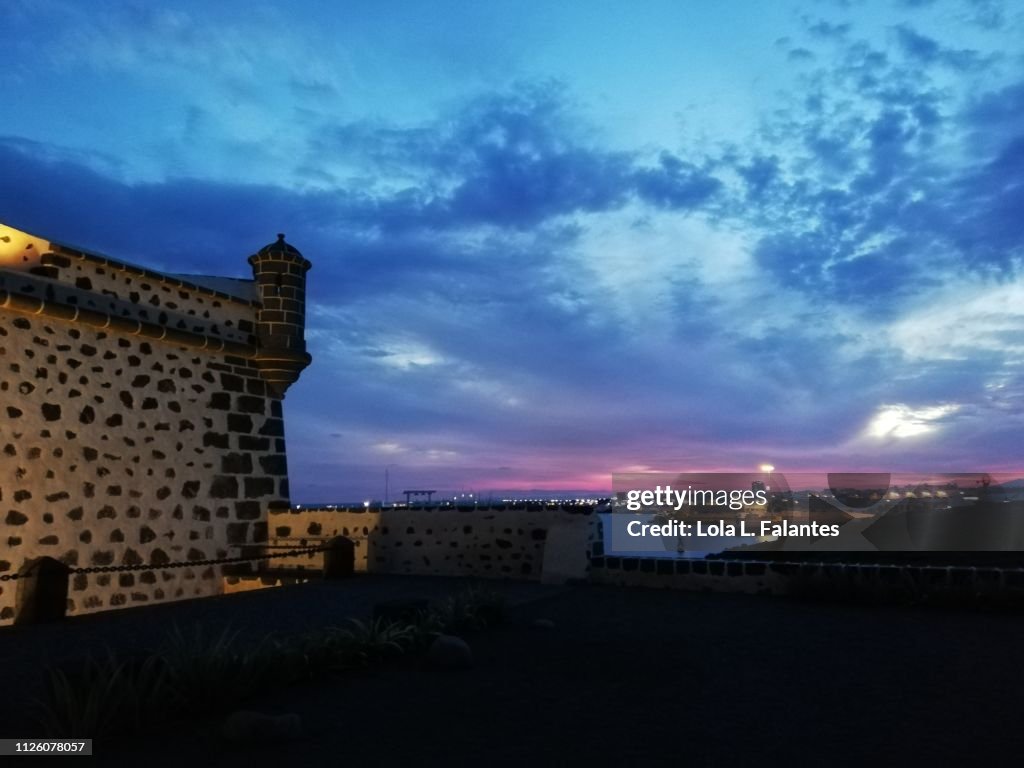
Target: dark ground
pixel 634 676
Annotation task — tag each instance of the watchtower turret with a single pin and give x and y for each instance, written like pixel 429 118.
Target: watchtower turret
pixel 280 272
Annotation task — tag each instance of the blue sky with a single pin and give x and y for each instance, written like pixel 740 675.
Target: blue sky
pixel 554 241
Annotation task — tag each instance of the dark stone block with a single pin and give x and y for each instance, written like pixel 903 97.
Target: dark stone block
pixel 220 401
pixel 51 411
pixel 630 564
pixel 236 463
pixel 159 557
pixel 664 567
pixel 682 566
pixel 248 510
pixel 217 440
pixel 232 383
pixel 250 404
pixel 275 464
pixel 273 427
pixel 238 422
pixel 754 569
pixel 250 443
pixel 102 557
pixel 258 486
pixel 259 532
pixel 256 387
pixel 238 533
pixel 224 487
pixel 700 567
pixel 190 489
pixel 734 568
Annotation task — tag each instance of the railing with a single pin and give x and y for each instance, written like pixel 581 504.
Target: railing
pixel 43 582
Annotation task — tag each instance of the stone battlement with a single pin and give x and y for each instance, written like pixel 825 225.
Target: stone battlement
pixel 138 424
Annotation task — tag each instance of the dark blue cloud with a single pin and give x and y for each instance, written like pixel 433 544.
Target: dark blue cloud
pixel 827 30
pixel 675 184
pixel 927 50
pixel 865 209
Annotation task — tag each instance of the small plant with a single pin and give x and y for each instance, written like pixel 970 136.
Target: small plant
pixel 197 672
pixel 213 672
pixel 103 697
pixel 363 642
pixel 472 609
pixel 297 658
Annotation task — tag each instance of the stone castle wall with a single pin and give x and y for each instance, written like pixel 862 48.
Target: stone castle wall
pixel 440 541
pixel 135 428
pixel 129 292
pixel 120 450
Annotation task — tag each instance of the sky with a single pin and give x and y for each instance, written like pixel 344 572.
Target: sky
pixel 555 241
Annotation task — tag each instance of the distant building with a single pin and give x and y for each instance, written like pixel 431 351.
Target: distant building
pixel 141 415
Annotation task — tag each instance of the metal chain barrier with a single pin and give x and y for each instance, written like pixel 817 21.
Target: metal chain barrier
pixel 180 563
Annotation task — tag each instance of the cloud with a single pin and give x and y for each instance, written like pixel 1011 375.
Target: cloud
pixel 500 294
pixel 927 50
pixel 676 184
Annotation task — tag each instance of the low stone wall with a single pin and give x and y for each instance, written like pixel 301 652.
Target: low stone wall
pixel 444 541
pixel 884 582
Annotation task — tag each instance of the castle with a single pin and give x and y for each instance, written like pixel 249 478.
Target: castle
pixel 141 416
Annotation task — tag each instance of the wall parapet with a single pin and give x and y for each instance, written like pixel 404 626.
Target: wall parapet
pixel 825 579
pixel 61 252
pixel 33 305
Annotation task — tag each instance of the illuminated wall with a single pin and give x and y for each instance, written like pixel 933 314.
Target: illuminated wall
pixel 135 425
pixel 439 541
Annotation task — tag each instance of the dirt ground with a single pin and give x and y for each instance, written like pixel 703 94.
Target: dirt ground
pixel 629 677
